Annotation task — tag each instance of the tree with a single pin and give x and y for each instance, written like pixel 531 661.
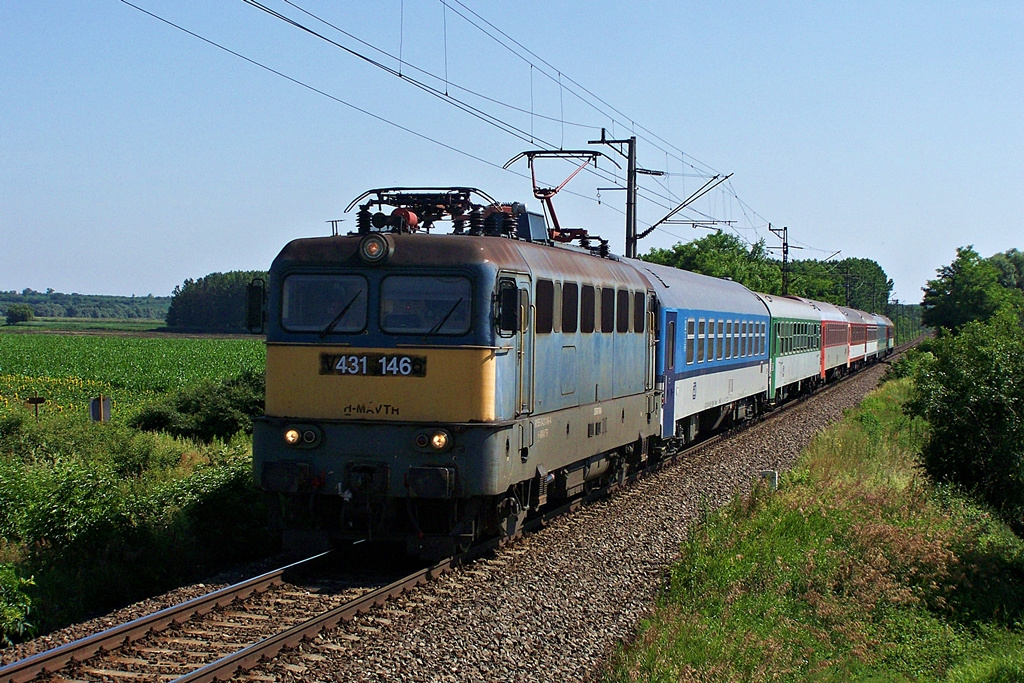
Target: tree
pixel 1010 264
pixel 864 284
pixel 723 255
pixel 968 289
pixel 216 302
pixel 972 395
pixel 816 280
pixel 19 313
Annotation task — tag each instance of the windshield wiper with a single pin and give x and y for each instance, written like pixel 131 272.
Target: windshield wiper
pixel 443 320
pixel 337 318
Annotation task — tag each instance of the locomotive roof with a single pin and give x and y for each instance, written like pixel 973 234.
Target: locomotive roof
pixel 446 251
pixel 409 250
pixel 685 290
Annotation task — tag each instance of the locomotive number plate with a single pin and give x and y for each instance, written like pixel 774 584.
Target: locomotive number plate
pixel 373 364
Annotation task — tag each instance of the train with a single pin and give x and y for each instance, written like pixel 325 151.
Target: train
pixel 433 389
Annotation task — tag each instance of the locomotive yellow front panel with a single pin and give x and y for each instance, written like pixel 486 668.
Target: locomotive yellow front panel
pixel 428 384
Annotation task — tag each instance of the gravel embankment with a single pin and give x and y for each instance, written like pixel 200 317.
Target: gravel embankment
pixel 551 606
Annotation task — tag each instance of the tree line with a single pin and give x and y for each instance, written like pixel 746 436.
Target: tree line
pixel 52 304
pixel 854 282
pixel 970 379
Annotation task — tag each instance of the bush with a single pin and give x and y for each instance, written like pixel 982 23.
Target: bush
pixel 910 364
pixel 973 397
pixel 207 410
pixel 15 606
pixel 102 514
pixel 19 313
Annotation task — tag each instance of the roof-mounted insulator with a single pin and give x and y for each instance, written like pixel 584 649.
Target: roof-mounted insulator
pixel 476 221
pixel 459 224
pixel 363 219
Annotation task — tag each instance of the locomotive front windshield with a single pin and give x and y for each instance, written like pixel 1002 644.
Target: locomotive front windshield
pixel 324 303
pixel 423 304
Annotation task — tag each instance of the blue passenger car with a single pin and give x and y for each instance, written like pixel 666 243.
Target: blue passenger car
pixel 712 359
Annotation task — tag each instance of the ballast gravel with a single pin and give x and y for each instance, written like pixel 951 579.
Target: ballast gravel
pixel 550 607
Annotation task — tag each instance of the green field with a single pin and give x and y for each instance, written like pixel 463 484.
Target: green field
pixel 68 370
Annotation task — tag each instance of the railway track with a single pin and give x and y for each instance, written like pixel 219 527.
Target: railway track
pixel 202 638
pixel 218 635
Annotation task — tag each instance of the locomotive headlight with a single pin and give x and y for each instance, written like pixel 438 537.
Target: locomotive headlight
pixel 303 436
pixel 374 249
pixel 439 440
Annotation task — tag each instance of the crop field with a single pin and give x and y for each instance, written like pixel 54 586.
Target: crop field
pixel 68 370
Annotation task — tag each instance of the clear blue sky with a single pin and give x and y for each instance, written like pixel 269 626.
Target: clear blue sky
pixel 133 155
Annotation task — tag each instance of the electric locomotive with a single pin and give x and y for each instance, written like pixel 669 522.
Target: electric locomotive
pixel 432 389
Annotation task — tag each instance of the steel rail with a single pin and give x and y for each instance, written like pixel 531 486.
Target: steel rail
pixel 245 659
pixel 50 661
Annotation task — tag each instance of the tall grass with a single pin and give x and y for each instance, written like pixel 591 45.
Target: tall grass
pixel 858 568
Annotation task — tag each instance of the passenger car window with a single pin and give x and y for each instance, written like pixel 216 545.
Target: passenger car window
pixel 311 303
pixel 689 341
pixel 425 304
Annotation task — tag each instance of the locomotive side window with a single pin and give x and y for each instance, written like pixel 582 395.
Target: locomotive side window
pixel 608 310
pixel 570 306
pixel 425 304
pixel 587 309
pixel 328 304
pixel 689 341
pixel 622 314
pixel 639 311
pixel 545 306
